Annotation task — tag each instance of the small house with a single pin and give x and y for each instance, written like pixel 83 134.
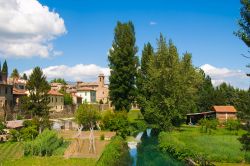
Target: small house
pixel 223 113
pixel 56 103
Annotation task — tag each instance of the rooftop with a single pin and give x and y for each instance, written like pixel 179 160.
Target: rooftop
pixel 224 109
pixel 54 93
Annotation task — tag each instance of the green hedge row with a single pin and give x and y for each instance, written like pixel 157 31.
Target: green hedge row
pixel 115 153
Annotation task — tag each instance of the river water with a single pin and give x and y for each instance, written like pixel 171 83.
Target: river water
pixel 148 154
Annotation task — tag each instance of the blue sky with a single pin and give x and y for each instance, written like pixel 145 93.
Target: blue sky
pixel 203 27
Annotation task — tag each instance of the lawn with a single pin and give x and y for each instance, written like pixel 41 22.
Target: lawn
pixel 47 161
pixel 10 150
pixel 220 146
pixel 134 114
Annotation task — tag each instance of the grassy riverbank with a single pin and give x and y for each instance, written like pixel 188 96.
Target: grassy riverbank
pixel 220 146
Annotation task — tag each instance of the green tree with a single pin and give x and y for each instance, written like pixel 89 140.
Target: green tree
pixel 244 32
pixel 172 93
pixel 87 116
pixel 206 94
pixel 123 64
pixel 14 74
pixel 24 76
pixel 68 100
pixel 5 67
pixel 59 80
pixel 37 101
pixel 116 121
pixel 143 82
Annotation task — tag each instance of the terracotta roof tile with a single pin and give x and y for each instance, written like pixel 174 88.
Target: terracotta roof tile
pixel 225 109
pixel 54 93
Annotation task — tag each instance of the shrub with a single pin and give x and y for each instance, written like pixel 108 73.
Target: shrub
pixel 116 153
pixel 44 145
pixel 15 135
pixel 208 125
pixel 232 124
pixel 102 137
pixel 29 133
pixel 116 122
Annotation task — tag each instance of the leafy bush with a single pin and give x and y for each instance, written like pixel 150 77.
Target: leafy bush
pixel 44 145
pixel 232 125
pixel 29 133
pixel 116 153
pixel 102 137
pixel 137 126
pixel 116 122
pixel 208 125
pixel 15 135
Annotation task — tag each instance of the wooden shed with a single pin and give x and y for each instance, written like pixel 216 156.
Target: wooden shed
pixel 223 113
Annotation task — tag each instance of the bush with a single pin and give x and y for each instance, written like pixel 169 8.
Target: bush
pixel 44 145
pixel 137 126
pixel 29 133
pixel 116 153
pixel 116 122
pixel 232 125
pixel 102 137
pixel 15 135
pixel 208 125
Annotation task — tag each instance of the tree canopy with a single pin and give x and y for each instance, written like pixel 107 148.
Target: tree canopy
pixel 5 67
pixel 59 80
pixel 14 74
pixel 123 65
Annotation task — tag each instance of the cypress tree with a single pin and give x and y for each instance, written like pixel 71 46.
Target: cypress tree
pixel 123 64
pixel 14 74
pixel 5 68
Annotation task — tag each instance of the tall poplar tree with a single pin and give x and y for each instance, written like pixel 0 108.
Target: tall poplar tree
pixel 143 82
pixel 123 64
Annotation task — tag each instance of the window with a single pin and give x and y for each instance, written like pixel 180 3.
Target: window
pixel 61 99
pixel 56 107
pixel 6 90
pixel 56 99
pixel 85 93
pixel 52 99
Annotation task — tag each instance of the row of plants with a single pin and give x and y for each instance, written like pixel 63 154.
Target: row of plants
pixel 115 153
pixel 45 144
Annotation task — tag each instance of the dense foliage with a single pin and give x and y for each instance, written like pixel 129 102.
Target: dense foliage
pixel 14 74
pixel 44 145
pixel 244 23
pixel 208 125
pixel 59 80
pixel 116 121
pixel 168 85
pixel 123 67
pixel 116 153
pixel 36 103
pixel 87 115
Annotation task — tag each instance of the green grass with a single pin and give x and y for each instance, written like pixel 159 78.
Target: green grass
pixel 48 161
pixel 220 146
pixel 134 114
pixel 10 150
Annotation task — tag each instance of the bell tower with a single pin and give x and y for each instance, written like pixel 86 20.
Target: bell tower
pixel 101 80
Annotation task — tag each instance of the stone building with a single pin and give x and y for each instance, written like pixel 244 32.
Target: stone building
pixel 56 101
pixel 6 95
pixel 102 90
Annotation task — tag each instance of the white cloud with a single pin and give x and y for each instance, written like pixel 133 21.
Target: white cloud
pixel 27 28
pixel 152 23
pixel 236 78
pixel 79 72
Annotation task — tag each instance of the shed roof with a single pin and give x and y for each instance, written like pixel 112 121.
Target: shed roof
pixel 224 109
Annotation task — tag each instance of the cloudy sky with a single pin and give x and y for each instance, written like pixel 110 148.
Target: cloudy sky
pixel 71 38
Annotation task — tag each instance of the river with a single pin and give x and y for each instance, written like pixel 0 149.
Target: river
pixel 148 154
